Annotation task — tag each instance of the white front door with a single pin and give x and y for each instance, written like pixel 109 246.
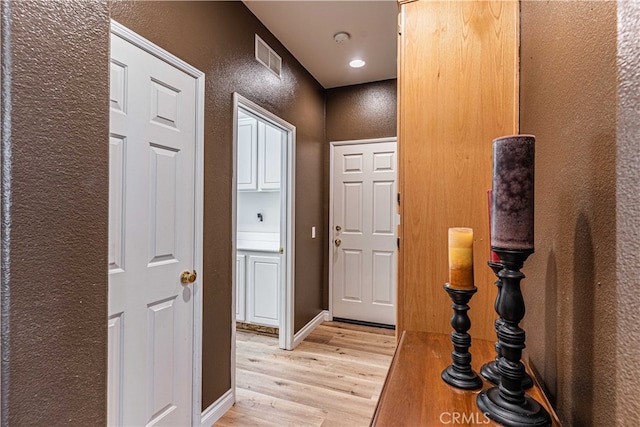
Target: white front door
pixel 151 239
pixel 364 221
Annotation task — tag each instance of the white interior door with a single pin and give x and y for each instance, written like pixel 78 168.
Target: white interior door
pixel 364 221
pixel 151 239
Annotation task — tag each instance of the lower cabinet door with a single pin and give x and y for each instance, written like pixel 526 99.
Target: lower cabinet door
pixel 240 287
pixel 263 290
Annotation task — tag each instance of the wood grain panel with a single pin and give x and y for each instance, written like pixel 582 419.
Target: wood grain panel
pixel 457 92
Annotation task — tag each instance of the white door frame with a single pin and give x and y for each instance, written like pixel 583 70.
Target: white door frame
pixel 334 144
pixel 285 340
pixel 142 43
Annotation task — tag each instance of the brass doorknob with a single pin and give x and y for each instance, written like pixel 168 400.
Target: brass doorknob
pixel 187 277
pixel 338 228
pixel 338 242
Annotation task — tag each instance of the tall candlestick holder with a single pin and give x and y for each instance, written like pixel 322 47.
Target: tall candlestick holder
pixel 507 403
pixel 459 374
pixel 490 369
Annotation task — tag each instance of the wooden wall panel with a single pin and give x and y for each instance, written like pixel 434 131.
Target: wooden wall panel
pixel 458 80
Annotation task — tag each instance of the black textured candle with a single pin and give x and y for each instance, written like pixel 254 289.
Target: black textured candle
pixel 513 177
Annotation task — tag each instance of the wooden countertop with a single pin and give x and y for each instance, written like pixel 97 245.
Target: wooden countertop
pixel 415 395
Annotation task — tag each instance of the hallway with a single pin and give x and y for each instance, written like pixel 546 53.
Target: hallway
pixel 333 378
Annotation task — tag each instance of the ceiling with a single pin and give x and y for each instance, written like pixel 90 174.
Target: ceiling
pixel 306 29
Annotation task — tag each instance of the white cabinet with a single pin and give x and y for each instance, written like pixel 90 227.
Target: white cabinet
pixel 241 270
pixel 247 154
pixel 261 288
pixel 269 157
pixel 259 155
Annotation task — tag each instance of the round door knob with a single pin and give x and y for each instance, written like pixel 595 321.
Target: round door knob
pixel 188 277
pixel 338 242
pixel 338 228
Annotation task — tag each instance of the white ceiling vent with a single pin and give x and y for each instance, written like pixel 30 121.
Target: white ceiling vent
pixel 268 57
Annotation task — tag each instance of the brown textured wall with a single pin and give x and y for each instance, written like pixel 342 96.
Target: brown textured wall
pixel 568 100
pixel 628 215
pixel 218 38
pixel 55 120
pixel 364 111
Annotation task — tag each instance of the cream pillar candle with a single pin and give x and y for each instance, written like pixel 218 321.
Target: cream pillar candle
pixel 461 258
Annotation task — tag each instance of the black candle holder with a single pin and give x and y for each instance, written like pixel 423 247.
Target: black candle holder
pixel 459 374
pixel 507 403
pixel 490 369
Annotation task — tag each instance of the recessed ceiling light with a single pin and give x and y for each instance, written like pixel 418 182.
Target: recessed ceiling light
pixel 357 63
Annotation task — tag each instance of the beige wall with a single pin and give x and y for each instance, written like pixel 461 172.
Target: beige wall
pixel 628 215
pixel 568 100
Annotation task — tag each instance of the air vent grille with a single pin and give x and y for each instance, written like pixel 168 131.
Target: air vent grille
pixel 268 57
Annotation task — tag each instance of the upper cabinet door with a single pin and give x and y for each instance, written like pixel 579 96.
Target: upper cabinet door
pixel 259 155
pixel 247 154
pixel 269 157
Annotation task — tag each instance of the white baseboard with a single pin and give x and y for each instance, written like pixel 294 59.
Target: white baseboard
pixel 323 316
pixel 214 412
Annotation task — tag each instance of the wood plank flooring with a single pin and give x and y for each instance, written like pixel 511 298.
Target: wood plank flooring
pixel 333 378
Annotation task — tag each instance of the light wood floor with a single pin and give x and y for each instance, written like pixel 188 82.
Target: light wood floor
pixel 333 378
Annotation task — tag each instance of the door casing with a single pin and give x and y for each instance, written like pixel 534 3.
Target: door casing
pixel 287 226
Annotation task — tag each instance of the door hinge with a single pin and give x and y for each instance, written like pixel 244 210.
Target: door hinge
pixel 398 242
pixel 398 197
